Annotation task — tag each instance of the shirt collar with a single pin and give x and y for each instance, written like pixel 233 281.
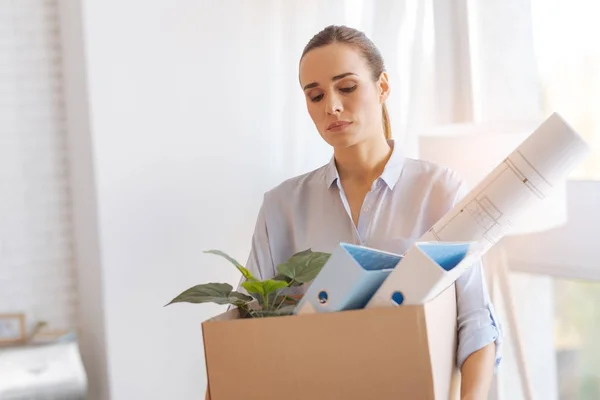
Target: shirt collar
pixel 391 172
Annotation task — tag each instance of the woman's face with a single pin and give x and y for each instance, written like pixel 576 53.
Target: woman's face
pixel 342 99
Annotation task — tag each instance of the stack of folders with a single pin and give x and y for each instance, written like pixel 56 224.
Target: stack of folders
pixel 358 277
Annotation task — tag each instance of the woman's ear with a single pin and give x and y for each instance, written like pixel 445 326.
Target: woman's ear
pixel 383 85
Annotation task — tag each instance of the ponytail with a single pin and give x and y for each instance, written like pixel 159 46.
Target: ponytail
pixel 387 127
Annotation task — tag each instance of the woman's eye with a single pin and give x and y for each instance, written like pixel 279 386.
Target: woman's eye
pixel 348 89
pixel 316 98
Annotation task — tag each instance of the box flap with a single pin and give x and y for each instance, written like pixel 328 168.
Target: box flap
pixel 228 315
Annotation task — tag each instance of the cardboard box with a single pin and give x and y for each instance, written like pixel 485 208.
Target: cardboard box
pixel 405 352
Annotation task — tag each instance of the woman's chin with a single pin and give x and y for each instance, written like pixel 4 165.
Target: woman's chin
pixel 340 139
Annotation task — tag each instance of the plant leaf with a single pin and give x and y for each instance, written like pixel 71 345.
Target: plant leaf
pixel 263 288
pixel 280 277
pixel 219 293
pixel 247 274
pixel 304 266
pixel 290 281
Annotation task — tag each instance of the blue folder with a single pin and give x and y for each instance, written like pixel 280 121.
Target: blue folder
pixel 348 280
pixel 426 270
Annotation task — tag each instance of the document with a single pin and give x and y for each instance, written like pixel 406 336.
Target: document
pixel 519 184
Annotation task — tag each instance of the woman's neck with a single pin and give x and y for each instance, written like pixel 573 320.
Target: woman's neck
pixel 363 162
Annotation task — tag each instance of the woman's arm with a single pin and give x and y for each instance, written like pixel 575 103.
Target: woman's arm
pixel 477 372
pixel 479 334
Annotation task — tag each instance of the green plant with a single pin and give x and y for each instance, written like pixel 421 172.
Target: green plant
pixel 266 297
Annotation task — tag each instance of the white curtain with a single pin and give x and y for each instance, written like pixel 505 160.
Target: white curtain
pixel 547 61
pixel 568 55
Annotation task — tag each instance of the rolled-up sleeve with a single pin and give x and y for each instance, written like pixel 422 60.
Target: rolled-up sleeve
pixel 478 324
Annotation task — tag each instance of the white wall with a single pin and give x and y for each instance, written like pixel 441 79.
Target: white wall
pixel 177 172
pixel 186 125
pixel 87 257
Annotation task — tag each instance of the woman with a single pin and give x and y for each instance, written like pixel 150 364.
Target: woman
pixel 369 193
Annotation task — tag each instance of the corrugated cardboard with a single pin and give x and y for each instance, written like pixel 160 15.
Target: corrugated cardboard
pixel 405 352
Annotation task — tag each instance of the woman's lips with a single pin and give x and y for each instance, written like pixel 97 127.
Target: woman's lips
pixel 338 126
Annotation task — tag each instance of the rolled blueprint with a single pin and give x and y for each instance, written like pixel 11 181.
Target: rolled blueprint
pixel 487 213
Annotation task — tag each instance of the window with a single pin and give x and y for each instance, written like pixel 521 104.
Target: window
pixel 568 57
pixel 577 328
pixel 36 268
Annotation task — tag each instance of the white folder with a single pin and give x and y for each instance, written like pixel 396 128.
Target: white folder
pixel 426 270
pixel 348 279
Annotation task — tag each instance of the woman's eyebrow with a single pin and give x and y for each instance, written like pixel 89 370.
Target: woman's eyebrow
pixel 335 78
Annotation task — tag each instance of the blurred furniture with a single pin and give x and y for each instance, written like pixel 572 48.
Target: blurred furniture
pixel 42 372
pixel 12 329
pixel 473 151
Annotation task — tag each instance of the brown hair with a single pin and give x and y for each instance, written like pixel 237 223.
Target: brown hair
pixel 359 41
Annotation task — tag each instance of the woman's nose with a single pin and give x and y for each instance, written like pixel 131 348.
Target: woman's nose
pixel 333 105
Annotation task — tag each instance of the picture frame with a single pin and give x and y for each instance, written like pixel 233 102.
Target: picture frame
pixel 12 329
